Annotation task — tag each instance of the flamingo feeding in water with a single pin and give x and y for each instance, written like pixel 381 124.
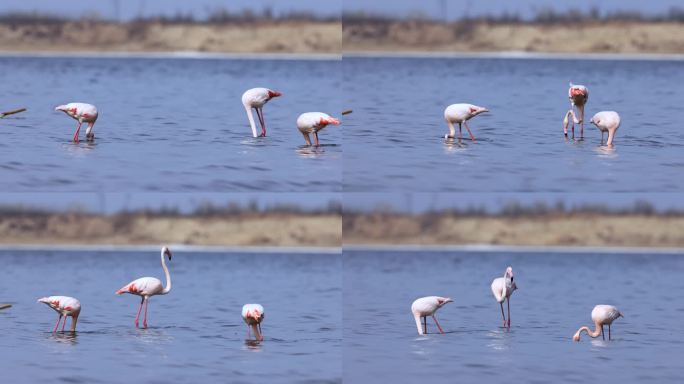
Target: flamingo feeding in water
pixel 502 288
pixel 66 306
pixel 253 314
pixel 427 306
pixel 256 98
pixel 460 114
pixel 578 94
pixel 312 122
pixel 607 121
pixel 601 315
pixel 146 287
pixel 83 113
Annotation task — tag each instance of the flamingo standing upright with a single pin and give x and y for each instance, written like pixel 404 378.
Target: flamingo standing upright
pixel 253 314
pixel 602 314
pixel 256 98
pixel 83 113
pixel 146 287
pixel 460 114
pixel 65 306
pixel 578 94
pixel 502 288
pixel 312 122
pixel 427 306
pixel 607 121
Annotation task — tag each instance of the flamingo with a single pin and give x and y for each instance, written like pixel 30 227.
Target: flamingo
pixel 312 122
pixel 427 306
pixel 146 287
pixel 83 113
pixel 65 306
pixel 256 98
pixel 502 288
pixel 601 315
pixel 578 94
pixel 607 121
pixel 253 314
pixel 460 114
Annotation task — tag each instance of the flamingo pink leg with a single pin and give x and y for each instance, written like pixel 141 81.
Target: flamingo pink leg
pixel 470 133
pixel 139 309
pixel 64 323
pixel 260 114
pixel 145 319
pixel 437 322
pixel 57 325
pixel 609 337
pixel 249 333
pixel 508 303
pixel 262 334
pixel 460 131
pixel 502 314
pixel 316 139
pixel 425 324
pixel 78 130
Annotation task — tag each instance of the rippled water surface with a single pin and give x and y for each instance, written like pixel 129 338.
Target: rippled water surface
pixel 167 125
pixel 196 333
pixel 394 139
pixel 555 297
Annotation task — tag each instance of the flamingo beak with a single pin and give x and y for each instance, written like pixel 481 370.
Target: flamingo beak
pixel 274 94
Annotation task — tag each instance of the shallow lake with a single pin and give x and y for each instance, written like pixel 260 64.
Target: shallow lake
pixel 556 294
pixel 167 125
pixel 195 334
pixel 394 140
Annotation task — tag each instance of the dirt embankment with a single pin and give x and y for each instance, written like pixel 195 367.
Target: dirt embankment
pixel 239 230
pixel 259 37
pixel 546 230
pixel 585 37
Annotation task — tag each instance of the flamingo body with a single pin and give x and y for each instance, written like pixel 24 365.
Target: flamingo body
pixel 252 315
pixel 65 306
pixel 256 98
pixel 460 114
pixel 578 95
pixel 83 113
pixel 503 288
pixel 601 315
pixel 312 122
pixel 607 121
pixel 146 287
pixel 427 306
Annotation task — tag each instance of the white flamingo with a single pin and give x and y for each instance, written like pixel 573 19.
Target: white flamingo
pixel 460 114
pixel 312 122
pixel 578 95
pixel 66 306
pixel 602 314
pixel 607 121
pixel 502 288
pixel 83 113
pixel 427 306
pixel 253 314
pixel 146 287
pixel 255 98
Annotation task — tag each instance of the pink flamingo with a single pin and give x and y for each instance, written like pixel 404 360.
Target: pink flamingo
pixel 607 121
pixel 83 113
pixel 601 315
pixel 427 306
pixel 146 287
pixel 460 114
pixel 502 288
pixel 578 94
pixel 312 122
pixel 65 306
pixel 253 314
pixel 256 98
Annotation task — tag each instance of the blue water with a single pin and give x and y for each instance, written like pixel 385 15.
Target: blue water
pixel 195 334
pixel 394 140
pixel 555 297
pixel 167 125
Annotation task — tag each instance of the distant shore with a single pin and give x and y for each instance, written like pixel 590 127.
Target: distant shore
pixel 616 37
pixel 292 37
pixel 565 230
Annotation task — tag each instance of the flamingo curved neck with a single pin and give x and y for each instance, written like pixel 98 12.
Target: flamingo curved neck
pixel 452 129
pixel 611 136
pixel 167 289
pixel 418 323
pixel 251 120
pixel 595 333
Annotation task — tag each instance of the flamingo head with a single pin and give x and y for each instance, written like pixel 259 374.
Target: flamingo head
pixel 255 314
pixel 474 110
pixel 329 120
pixel 272 94
pixel 166 252
pixel 576 336
pixel 444 300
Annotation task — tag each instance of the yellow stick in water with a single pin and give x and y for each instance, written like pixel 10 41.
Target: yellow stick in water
pixel 346 111
pixel 12 112
pixel 5 306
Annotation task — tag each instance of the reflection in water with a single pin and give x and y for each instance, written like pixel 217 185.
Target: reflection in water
pixel 68 338
pixel 253 345
pixel 500 340
pixel 310 152
pixel 606 152
pixel 152 336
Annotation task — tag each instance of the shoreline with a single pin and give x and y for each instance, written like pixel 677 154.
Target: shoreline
pixel 181 55
pixel 516 55
pixel 483 248
pixel 175 247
